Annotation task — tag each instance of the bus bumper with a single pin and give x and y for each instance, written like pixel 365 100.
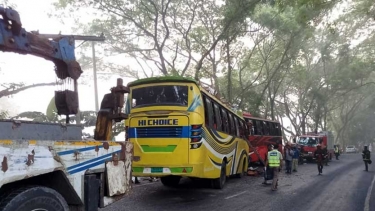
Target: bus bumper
pixel 197 171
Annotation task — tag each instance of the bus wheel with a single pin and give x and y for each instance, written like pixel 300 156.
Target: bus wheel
pixel 220 182
pixel 170 181
pixel 33 198
pixel 244 170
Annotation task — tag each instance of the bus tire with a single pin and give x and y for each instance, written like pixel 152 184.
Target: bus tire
pixel 220 182
pixel 170 181
pixel 33 198
pixel 244 170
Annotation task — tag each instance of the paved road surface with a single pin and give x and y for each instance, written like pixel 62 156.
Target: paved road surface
pixel 344 186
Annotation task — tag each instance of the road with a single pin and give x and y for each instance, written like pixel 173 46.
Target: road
pixel 344 186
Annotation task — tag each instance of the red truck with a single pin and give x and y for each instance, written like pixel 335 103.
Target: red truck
pixel 308 144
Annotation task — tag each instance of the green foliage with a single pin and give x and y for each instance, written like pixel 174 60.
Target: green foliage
pixel 3 114
pixel 279 59
pixel 51 111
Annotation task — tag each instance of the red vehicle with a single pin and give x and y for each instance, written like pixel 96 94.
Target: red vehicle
pixel 262 132
pixel 308 144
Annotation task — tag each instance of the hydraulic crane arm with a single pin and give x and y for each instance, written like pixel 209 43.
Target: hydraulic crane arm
pixel 110 111
pixel 60 49
pixel 14 38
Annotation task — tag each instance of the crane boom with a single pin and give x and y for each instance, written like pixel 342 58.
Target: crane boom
pixel 60 49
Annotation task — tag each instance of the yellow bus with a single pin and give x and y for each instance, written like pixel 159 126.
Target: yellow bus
pixel 180 130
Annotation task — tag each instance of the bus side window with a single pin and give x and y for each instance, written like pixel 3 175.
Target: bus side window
pixel 255 126
pixel 265 128
pixel 217 117
pixel 242 130
pixel 252 129
pixel 246 129
pixel 272 128
pixel 208 115
pixel 259 128
pixel 237 133
pixel 224 118
pixel 278 129
pixel 232 127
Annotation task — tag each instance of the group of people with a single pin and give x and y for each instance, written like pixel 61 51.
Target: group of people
pixel 291 154
pixel 274 160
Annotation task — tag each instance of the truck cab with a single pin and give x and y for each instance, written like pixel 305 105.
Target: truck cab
pixel 308 144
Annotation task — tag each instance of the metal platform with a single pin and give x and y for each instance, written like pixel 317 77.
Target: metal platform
pixel 27 130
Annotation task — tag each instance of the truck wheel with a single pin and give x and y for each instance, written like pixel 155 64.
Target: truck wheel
pixel 220 182
pixel 170 181
pixel 33 198
pixel 244 170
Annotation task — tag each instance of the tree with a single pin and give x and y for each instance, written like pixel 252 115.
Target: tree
pixel 278 59
pixel 3 114
pixel 14 88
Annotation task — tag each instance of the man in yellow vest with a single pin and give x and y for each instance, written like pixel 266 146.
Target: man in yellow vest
pixel 274 161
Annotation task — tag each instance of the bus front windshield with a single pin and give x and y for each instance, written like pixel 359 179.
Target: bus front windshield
pixel 160 95
pixel 308 141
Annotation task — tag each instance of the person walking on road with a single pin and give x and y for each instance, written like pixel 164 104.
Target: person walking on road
pixel 288 155
pixel 319 156
pixel 266 167
pixel 295 158
pixel 337 152
pixel 366 156
pixel 274 161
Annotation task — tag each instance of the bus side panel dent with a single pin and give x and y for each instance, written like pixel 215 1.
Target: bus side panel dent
pixel 21 160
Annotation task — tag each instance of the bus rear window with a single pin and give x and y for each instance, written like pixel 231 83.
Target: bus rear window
pixel 159 95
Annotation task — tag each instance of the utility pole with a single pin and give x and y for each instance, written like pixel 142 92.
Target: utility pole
pixel 93 39
pixel 95 77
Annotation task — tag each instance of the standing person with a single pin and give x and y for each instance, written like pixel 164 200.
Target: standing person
pixel 295 158
pixel 288 155
pixel 266 167
pixel 366 156
pixel 337 152
pixel 319 156
pixel 274 161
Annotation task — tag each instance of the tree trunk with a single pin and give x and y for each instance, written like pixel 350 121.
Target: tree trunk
pixel 229 88
pixel 303 124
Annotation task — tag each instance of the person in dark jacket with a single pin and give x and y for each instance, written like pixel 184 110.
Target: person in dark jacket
pixel 366 156
pixel 319 156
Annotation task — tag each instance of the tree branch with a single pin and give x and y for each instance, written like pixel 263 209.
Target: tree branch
pixel 14 90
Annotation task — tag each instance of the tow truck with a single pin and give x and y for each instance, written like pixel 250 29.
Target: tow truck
pixel 49 166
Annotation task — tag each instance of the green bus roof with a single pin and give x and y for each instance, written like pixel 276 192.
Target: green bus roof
pixel 161 80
